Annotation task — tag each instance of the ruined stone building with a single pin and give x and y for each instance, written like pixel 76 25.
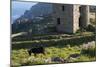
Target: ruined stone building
pixel 69 18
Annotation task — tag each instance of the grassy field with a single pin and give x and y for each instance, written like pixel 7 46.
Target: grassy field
pixel 21 57
pixel 61 46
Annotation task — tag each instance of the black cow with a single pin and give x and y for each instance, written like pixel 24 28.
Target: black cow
pixel 37 50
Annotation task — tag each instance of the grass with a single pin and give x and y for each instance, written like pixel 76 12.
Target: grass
pixel 55 46
pixel 21 57
pixel 54 42
pixel 49 36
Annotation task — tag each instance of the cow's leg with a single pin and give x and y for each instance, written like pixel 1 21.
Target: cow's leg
pixel 29 52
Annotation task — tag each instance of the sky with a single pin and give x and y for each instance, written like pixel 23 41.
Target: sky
pixel 18 8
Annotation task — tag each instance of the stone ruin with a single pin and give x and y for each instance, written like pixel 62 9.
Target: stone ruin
pixel 69 18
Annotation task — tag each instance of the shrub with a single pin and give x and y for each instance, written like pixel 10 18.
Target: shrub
pixel 91 28
pixel 93 21
pixel 89 50
pixel 81 30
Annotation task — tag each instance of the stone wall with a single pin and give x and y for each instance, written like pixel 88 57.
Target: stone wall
pixel 76 15
pixel 84 17
pixel 68 17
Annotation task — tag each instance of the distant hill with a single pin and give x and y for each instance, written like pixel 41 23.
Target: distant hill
pixel 40 9
pixel 37 14
pixel 45 25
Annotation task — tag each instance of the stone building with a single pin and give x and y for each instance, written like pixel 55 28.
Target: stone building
pixel 69 18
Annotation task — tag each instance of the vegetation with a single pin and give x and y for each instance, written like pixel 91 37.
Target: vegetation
pixel 61 46
pixel 21 57
pixel 93 21
pixel 91 28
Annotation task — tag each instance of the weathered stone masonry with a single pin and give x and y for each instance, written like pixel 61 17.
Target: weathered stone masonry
pixel 69 18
